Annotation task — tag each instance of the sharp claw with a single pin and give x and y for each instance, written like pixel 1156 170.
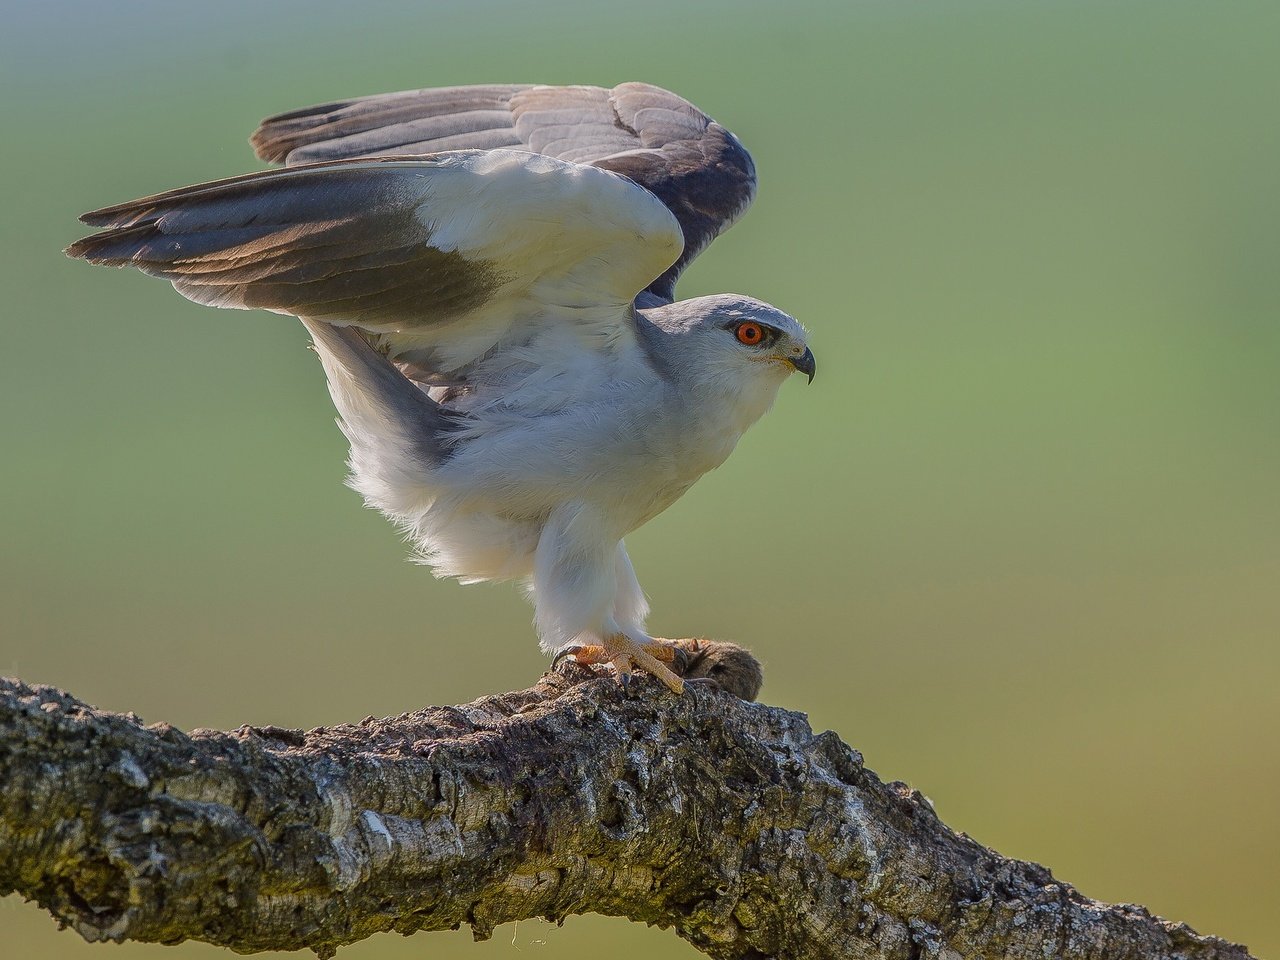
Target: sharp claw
pixel 564 652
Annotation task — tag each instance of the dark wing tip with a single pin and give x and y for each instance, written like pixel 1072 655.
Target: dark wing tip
pixel 114 215
pixel 266 147
pixel 278 135
pixel 80 249
pixel 113 247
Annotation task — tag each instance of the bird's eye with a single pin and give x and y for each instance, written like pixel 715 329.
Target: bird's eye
pixel 750 333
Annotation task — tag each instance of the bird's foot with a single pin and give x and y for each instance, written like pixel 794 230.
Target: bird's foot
pixel 624 655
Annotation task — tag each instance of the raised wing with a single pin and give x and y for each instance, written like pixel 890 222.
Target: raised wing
pixel 442 255
pixel 662 142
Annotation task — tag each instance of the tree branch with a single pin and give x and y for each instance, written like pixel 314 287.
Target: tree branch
pixel 730 822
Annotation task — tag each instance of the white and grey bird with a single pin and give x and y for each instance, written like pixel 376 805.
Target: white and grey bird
pixel 488 274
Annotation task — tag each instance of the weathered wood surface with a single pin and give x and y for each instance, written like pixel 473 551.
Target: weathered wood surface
pixel 729 822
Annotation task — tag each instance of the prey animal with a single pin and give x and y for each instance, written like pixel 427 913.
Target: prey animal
pixel 488 276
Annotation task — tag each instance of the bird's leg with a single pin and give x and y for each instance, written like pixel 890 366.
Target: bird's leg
pixel 624 655
pixel 574 586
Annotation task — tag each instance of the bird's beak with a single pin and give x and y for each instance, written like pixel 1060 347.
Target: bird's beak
pixel 805 363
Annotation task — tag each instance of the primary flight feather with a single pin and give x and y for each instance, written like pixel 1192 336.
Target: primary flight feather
pixel 488 275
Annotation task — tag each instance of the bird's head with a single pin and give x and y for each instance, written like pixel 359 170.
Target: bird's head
pixel 733 339
pixel 731 350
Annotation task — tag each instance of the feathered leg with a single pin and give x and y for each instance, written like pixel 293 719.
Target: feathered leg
pixel 587 601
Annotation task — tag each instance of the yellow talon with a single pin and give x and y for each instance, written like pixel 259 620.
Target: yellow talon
pixel 624 654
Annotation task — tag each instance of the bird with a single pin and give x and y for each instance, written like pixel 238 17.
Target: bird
pixel 487 274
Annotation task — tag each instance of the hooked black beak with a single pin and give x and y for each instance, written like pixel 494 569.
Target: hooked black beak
pixel 805 363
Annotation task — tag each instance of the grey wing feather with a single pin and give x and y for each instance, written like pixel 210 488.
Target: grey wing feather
pixel 334 242
pixel 696 167
pixel 369 125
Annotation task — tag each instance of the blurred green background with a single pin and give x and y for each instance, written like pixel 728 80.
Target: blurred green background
pixel 1019 542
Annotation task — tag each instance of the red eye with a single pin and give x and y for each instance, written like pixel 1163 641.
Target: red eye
pixel 749 333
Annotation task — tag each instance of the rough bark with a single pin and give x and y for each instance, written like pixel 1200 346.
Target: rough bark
pixel 730 822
